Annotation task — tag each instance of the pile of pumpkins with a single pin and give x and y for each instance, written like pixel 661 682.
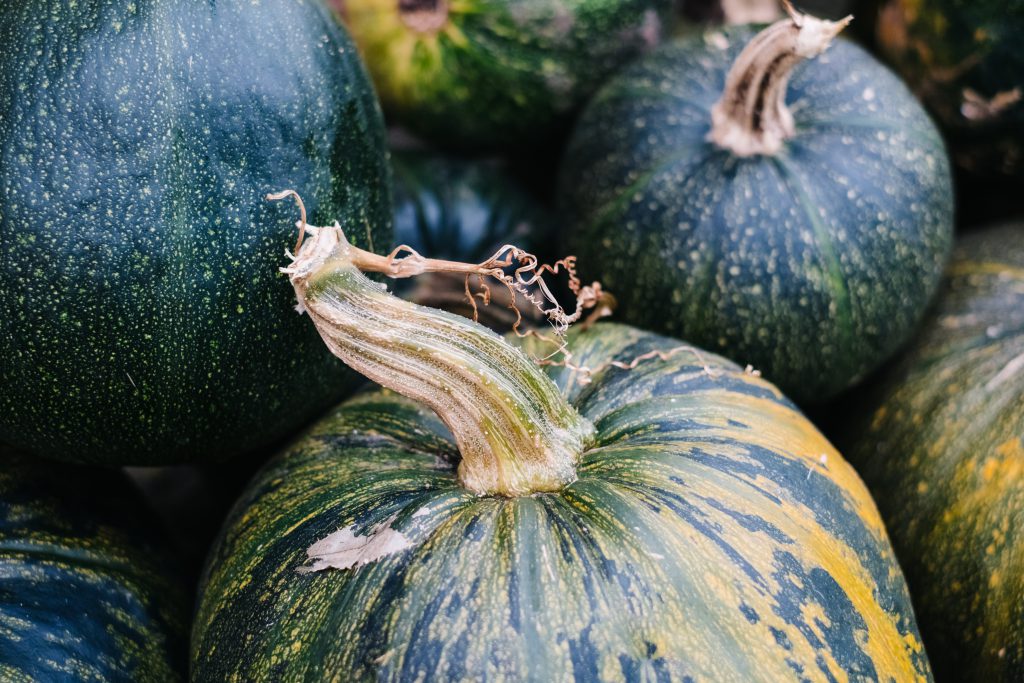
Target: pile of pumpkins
pixel 786 222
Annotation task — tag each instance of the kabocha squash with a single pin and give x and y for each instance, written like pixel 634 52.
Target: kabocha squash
pixel 460 209
pixel 678 521
pixel 966 61
pixel 942 449
pixel 761 11
pixel 86 594
pixel 799 223
pixel 463 210
pixel 140 318
pixel 479 74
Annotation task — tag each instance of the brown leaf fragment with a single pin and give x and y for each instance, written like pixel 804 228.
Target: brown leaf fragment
pixel 344 549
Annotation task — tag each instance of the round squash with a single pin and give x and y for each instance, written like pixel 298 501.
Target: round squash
pixel 480 74
pixel 85 592
pixel 463 210
pixel 141 319
pixel 806 238
pixel 755 11
pixel 942 449
pixel 965 60
pixel 677 521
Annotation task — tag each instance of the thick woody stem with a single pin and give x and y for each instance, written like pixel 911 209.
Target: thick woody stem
pixel 515 432
pixel 752 116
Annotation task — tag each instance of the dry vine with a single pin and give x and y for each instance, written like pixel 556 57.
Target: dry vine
pixel 522 274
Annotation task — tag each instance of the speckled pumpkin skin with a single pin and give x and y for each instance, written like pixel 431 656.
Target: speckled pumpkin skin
pixel 814 264
pixel 85 594
pixel 499 75
pixel 142 318
pixel 942 449
pixel 942 48
pixel 713 534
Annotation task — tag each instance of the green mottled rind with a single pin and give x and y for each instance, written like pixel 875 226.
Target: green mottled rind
pixel 942 449
pixel 713 534
pixel 142 318
pixel 452 208
pixel 814 264
pixel 942 47
pixel 85 594
pixel 499 74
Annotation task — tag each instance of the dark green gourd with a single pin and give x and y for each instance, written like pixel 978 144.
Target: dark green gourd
pixel 86 592
pixel 464 210
pixel 762 11
pixel 941 445
pixel 966 62
pixel 678 521
pixel 141 320
pixel 806 239
pixel 480 74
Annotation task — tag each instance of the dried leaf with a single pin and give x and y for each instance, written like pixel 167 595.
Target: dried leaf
pixel 344 549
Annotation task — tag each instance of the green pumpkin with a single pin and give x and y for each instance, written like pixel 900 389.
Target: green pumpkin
pixel 703 530
pixel 482 74
pixel 464 210
pixel 812 261
pixel 141 318
pixel 966 62
pixel 742 11
pixel 86 594
pixel 941 446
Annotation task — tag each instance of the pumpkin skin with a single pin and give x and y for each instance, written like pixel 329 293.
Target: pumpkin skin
pixel 497 75
pixel 813 264
pixel 709 517
pixel 942 448
pixel 711 10
pixel 142 320
pixel 944 48
pixel 462 210
pixel 85 593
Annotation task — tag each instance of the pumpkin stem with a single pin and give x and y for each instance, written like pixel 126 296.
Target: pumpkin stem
pixel 752 116
pixel 516 433
pixel 302 212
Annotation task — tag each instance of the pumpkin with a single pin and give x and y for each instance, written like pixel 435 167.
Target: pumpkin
pixel 964 60
pixel 479 74
pixel 677 521
pixel 941 445
pixel 462 209
pixel 140 319
pixel 86 589
pixel 761 11
pixel 465 210
pixel 800 228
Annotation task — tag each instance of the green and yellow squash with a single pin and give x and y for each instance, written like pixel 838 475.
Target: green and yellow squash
pixel 941 446
pixel 475 74
pixel 794 215
pixel 87 592
pixel 141 321
pixel 965 60
pixel 677 521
